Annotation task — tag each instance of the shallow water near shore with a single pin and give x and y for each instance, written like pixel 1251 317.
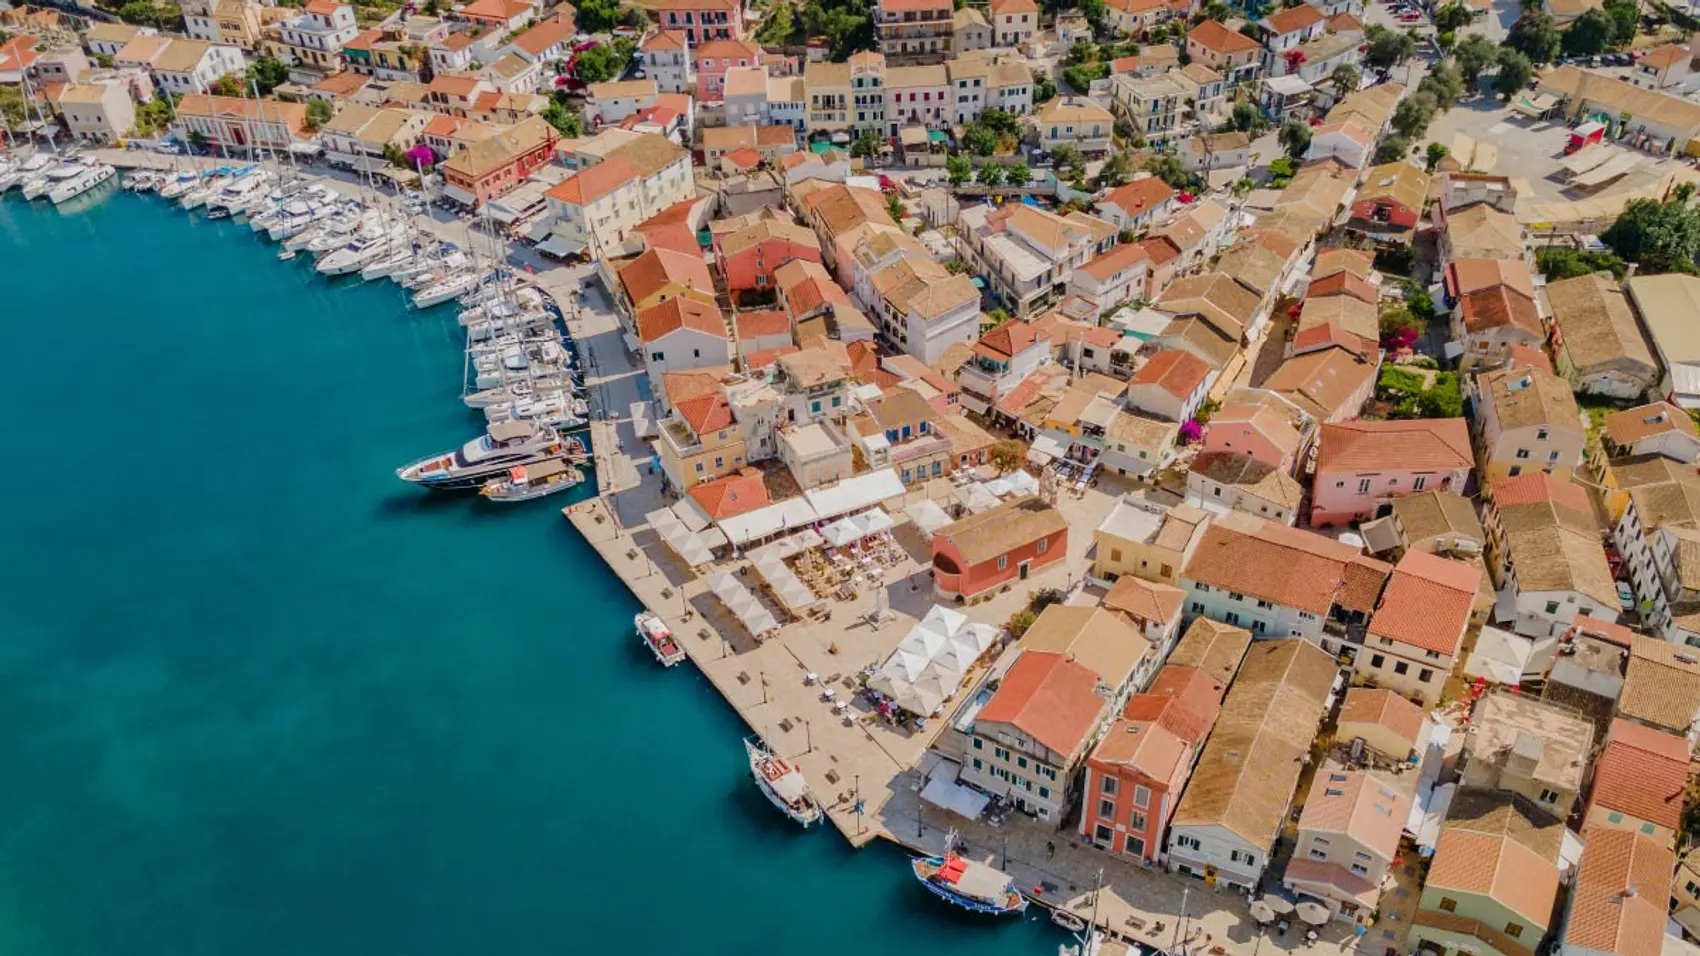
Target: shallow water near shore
pixel 259 697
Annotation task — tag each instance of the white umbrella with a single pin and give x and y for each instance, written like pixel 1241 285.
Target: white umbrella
pixel 875 521
pixel 1278 903
pixel 943 620
pixel 999 486
pixel 841 532
pixel 1312 912
pixel 927 515
pixel 1261 911
pixel 662 519
pixel 1023 483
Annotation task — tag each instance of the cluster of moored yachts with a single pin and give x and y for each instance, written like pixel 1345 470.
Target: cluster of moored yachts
pixel 58 179
pixel 519 368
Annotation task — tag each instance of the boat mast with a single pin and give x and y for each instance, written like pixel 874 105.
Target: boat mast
pixel 29 94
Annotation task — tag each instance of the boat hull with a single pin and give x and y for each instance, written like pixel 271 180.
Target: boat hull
pixel 924 867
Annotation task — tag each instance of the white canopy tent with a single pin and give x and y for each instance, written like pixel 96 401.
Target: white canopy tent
pixel 855 494
pixel 927 516
pixel 686 544
pixel 974 497
pixel 756 619
pixel 841 532
pixel 794 594
pixel 928 665
pixel 944 792
pixel 1023 483
pixel 873 522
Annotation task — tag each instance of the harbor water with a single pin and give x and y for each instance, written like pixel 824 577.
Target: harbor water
pixel 258 697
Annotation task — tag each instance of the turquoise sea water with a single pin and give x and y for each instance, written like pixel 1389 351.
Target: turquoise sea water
pixel 258 697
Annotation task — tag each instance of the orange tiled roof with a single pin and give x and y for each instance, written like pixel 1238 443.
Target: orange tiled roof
pixel 1175 371
pixel 733 494
pixel 1049 697
pixel 679 312
pixel 1432 444
pixel 1642 772
pixel 706 413
pixel 1427 603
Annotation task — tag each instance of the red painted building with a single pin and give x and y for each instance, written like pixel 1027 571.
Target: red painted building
pixel 1136 773
pixel 488 169
pixel 1009 543
pixel 1390 202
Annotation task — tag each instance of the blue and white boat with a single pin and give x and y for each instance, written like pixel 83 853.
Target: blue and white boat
pixel 971 885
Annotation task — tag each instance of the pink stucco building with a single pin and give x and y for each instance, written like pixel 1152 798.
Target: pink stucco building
pixel 1361 464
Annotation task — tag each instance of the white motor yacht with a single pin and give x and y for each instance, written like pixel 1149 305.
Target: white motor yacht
pixel 504 445
pixel 296 222
pixel 141 181
pixel 519 322
pixel 209 187
pixel 516 362
pixel 435 271
pixel 399 258
pixel 176 186
pixel 91 177
pixel 235 195
pixel 524 299
pixel 365 225
pixel 522 389
pixel 558 408
pixel 364 249
pixel 51 178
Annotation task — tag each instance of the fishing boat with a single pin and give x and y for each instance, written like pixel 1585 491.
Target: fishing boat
pixel 1072 922
pixel 502 446
pixel 525 482
pixel 91 177
pixel 972 885
pixel 51 178
pixel 782 783
pixel 659 639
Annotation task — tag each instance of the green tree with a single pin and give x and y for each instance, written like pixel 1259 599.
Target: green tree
pixel 979 139
pixel 1068 154
pixel 990 174
pixel 1443 82
pixel 1659 236
pixel 1625 21
pixel 1515 70
pixel 1170 170
pixel 598 16
pixel 1388 48
pixel 1391 150
pixel 1446 40
pixel 319 112
pixel 894 207
pixel 1534 36
pixel 1280 172
pixel 226 86
pixel 845 25
pixel 1080 76
pixel 268 74
pixel 1044 90
pixel 1017 174
pixel 1413 114
pixel 566 122
pixel 1475 54
pixel 1295 138
pixel 599 64
pixel 865 146
pixel 12 104
pixel 102 60
pixel 1436 153
pixel 958 170
pixel 1345 79
pixel 1588 35
pixel 776 29
pixel 1115 172
pixel 1563 262
pixel 140 12
pixel 1245 118
pixel 1452 17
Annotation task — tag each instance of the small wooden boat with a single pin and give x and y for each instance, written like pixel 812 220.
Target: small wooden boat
pixel 1069 921
pixel 659 639
pixel 974 886
pixel 286 255
pixel 782 783
pixel 525 482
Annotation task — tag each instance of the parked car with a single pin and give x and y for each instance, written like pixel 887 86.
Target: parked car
pixel 1625 596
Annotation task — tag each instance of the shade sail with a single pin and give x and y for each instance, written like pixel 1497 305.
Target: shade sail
pixel 927 515
pixel 792 593
pixel 841 532
pixel 874 522
pixel 929 664
pixel 756 619
pixel 949 795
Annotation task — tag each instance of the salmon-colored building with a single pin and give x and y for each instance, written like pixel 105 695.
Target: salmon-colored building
pixel 483 171
pixel 1263 426
pixel 1135 775
pixel 982 552
pixel 750 257
pixel 1361 465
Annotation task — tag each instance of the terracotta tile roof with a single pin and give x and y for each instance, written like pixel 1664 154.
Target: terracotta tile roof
pixel 1539 487
pixel 1427 603
pixel 1100 640
pixel 1251 476
pixel 1526 397
pixel 1214 36
pixel 1464 276
pixel 493 9
pixel 656 269
pixel 1047 697
pixel 1631 425
pixel 1356 804
pixel 1617 904
pixel 1339 259
pixel 679 312
pixel 706 413
pixel 1151 601
pixel 556 29
pixel 1216 297
pixel 1432 444
pixel 1661 686
pixel 694 383
pixel 1250 766
pixel 1498 307
pixel 664 40
pixel 1159 249
pixel 1175 371
pixel 1210 647
pixel 1383 708
pixel 1398 182
pixel 1498 845
pixel 1139 196
pixel 1292 18
pixel 1322 382
pixel 1018 521
pixel 1272 562
pixel 732 495
pixel 762 324
pixel 1343 283
pixel 1642 772
pixel 1123 256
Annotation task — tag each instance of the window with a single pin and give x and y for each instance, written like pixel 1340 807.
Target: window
pixel 1107 809
pixel 1001 754
pixel 1141 796
pixel 1448 904
pixel 1135 846
pixel 1249 859
pixel 1107 785
pixel 1044 793
pixel 1360 869
pixel 1363 486
pixel 1614 817
pixel 1648 828
pixel 1265 605
pixel 1186 842
pixel 1401 667
pixel 1317 854
pixel 1514 930
pixel 979 744
pixel 1540 434
pixel 1377 660
pixel 979 764
pixel 1047 772
pixel 1552 607
pixel 1021 762
pixel 1197 608
pixel 1522 453
pixel 658 356
pixel 1115 554
pixel 1003 562
pixel 1103 834
pixel 1044 545
pixel 1549 796
pixel 1136 821
pixel 1233 596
